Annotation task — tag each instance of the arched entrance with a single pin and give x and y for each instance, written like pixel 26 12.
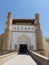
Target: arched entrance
pixel 23 43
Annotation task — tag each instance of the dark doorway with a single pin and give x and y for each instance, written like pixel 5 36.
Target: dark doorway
pixel 22 48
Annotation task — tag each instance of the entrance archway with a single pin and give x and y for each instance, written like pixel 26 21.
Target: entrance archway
pixel 23 42
pixel 22 48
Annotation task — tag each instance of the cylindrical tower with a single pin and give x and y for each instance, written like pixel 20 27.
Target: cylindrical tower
pixel 39 35
pixel 8 33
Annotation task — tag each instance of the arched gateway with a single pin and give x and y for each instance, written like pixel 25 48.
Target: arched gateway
pixel 26 33
pixel 23 43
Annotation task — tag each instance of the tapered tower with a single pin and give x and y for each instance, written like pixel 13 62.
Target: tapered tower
pixel 39 35
pixel 8 31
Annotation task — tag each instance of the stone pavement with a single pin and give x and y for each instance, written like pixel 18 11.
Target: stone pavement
pixel 21 60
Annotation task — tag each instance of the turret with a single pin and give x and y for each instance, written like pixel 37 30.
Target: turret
pixel 39 35
pixel 8 33
pixel 9 20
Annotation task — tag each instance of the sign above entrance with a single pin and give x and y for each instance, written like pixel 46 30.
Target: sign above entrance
pixel 23 28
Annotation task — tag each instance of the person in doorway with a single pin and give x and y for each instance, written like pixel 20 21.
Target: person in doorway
pixel 27 52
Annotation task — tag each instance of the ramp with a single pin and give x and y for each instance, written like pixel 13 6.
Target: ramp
pixel 21 60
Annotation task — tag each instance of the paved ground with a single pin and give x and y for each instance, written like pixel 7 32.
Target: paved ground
pixel 21 60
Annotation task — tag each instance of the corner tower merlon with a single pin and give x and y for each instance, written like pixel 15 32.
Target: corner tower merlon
pixel 39 35
pixel 37 17
pixel 9 20
pixel 9 15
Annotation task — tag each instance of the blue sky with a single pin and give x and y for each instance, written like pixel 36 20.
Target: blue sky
pixel 25 9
